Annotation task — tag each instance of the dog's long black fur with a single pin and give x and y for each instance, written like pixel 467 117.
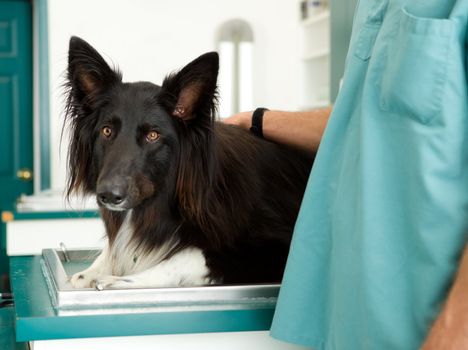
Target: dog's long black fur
pixel 213 186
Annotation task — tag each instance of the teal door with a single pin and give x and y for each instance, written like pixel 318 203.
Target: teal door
pixel 16 122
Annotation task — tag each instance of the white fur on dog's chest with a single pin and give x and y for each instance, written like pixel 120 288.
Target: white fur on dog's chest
pixel 186 267
pixel 126 258
pixel 123 254
pixel 123 265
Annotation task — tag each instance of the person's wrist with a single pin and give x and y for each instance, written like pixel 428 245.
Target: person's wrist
pixel 257 121
pixel 246 120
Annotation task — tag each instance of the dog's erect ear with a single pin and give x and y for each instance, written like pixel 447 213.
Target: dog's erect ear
pixel 88 78
pixel 191 93
pixel 88 72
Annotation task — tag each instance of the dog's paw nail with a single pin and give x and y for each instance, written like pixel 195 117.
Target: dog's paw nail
pixel 99 286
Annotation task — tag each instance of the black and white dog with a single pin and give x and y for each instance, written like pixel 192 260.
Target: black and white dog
pixel 185 200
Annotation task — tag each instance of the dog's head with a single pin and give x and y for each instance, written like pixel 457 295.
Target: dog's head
pixel 127 138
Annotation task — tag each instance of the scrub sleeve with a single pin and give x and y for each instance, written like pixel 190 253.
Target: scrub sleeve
pixel 385 215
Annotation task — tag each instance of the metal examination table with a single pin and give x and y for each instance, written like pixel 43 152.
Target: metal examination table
pixel 52 315
pixel 43 313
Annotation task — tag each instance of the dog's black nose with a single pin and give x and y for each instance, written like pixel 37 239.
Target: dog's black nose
pixel 115 197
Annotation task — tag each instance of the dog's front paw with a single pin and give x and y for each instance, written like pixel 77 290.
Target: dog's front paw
pixel 112 282
pixel 84 279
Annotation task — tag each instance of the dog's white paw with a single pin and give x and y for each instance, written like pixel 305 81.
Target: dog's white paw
pixel 84 279
pixel 112 282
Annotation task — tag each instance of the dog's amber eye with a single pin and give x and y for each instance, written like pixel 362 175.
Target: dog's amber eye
pixel 106 132
pixel 152 136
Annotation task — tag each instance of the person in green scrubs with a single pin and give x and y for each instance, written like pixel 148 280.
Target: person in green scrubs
pixel 377 259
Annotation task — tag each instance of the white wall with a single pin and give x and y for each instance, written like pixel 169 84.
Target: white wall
pixel 149 38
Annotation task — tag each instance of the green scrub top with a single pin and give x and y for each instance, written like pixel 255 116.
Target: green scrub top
pixel 384 218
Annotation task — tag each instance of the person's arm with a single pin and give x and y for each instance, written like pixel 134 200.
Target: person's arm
pixel 302 130
pixel 450 330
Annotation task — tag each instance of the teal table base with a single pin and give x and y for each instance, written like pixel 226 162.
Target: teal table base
pixel 36 319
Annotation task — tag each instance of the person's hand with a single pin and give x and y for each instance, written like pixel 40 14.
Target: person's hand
pixel 242 119
pixel 446 337
pixel 449 331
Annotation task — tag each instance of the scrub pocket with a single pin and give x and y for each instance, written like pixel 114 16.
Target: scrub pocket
pixel 414 74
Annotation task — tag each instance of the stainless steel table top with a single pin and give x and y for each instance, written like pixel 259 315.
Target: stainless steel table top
pixel 59 265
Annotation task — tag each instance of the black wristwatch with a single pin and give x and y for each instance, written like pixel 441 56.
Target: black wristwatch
pixel 257 122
